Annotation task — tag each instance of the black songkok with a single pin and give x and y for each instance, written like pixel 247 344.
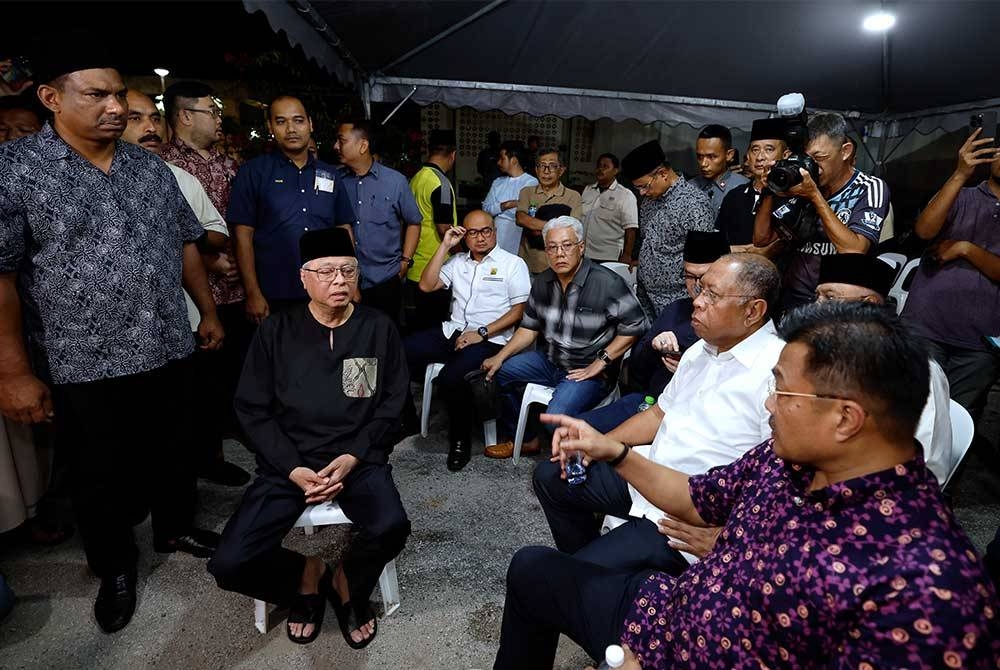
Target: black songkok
pixel 857 270
pixel 705 246
pixel 642 160
pixel 768 129
pixel 325 242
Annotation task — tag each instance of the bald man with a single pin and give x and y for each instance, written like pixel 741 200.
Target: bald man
pixel 489 287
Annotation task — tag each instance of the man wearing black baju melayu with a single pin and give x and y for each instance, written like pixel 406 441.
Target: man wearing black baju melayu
pixel 320 398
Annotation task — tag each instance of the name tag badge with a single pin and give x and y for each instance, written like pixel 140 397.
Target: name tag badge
pixel 324 182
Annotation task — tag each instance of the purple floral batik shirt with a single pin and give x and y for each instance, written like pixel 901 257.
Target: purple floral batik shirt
pixel 872 572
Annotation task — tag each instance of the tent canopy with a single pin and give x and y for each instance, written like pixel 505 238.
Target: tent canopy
pixel 678 61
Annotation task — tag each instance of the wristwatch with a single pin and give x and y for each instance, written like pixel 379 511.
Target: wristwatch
pixel 603 355
pixel 483 331
pixel 409 261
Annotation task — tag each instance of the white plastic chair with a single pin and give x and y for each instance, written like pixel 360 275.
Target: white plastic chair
pixel 330 514
pixel 897 291
pixel 432 371
pixel 897 261
pixel 962 431
pixel 537 393
pixel 623 271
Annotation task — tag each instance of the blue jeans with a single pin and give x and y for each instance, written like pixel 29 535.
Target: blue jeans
pixel 532 367
pixel 607 418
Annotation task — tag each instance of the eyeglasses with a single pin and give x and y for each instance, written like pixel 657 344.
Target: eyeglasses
pixel 645 187
pixel 711 297
pixel 214 113
pixel 689 276
pixel 328 274
pixel 565 247
pixel 548 167
pixel 479 232
pixel 772 390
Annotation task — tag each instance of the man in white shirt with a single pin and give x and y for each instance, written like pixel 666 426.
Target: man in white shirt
pixel 610 215
pixel 863 278
pixel 501 201
pixel 489 287
pixel 710 414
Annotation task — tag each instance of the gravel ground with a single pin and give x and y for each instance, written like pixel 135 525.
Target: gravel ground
pixel 466 527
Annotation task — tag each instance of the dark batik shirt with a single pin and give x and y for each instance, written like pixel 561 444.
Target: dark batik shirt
pixel 873 572
pixel 98 256
pixel 216 175
pixel 663 226
pixel 596 307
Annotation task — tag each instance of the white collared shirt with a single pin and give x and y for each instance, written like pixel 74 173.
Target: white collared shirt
pixel 208 217
pixel 606 216
pixel 483 292
pixel 713 409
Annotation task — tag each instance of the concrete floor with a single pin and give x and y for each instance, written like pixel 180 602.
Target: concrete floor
pixel 466 526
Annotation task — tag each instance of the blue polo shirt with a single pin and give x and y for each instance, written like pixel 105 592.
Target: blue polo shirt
pixel 281 201
pixel 377 204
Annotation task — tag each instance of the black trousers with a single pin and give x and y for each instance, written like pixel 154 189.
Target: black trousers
pixel 970 374
pixel 250 559
pixel 387 297
pixel 431 346
pixel 424 310
pixel 570 510
pixel 128 447
pixel 216 374
pixel 549 593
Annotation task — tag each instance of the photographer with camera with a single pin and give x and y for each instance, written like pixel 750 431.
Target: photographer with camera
pixel 821 205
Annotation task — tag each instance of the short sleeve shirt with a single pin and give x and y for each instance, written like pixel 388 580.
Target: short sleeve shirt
pixel 377 206
pixel 717 189
pixel 606 216
pixel 216 174
pixel 596 307
pixel 482 292
pixel 940 296
pixel 281 201
pixel 98 256
pixel 861 204
pixel 873 572
pixel 528 201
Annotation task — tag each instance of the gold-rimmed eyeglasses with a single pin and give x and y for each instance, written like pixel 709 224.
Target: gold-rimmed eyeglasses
pixel 328 274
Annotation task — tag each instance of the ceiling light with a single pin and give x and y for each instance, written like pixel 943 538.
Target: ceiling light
pixel 879 22
pixel 161 71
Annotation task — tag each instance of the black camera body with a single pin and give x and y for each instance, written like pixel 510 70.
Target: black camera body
pixel 785 173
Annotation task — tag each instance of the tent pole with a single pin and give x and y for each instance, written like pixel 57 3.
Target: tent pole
pixel 401 103
pixel 440 36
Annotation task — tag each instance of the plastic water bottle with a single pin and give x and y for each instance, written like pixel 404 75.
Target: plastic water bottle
pixel 576 471
pixel 614 657
pixel 646 403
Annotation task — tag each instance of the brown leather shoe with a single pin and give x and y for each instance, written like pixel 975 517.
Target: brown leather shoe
pixel 506 449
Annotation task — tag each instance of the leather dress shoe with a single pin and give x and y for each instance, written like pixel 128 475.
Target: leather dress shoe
pixel 225 474
pixel 506 449
pixel 197 542
pixel 115 602
pixel 459 455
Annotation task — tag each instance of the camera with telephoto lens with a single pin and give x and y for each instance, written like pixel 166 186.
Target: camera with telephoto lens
pixel 785 173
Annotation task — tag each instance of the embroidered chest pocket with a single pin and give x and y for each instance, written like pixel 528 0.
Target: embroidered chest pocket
pixel 359 377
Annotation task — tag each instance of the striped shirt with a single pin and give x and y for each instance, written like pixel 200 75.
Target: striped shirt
pixel 596 307
pixel 861 204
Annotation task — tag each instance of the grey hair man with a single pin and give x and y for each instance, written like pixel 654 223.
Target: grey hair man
pixel 585 317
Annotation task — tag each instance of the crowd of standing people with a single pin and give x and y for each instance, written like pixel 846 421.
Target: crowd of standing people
pixel 767 436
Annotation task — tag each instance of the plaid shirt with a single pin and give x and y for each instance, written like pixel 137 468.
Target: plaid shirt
pixel 596 307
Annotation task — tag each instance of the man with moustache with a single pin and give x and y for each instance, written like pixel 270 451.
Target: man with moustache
pixel 736 214
pixel 276 198
pixel 94 278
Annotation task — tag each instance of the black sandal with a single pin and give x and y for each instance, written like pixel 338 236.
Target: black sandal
pixel 309 608
pixel 349 620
